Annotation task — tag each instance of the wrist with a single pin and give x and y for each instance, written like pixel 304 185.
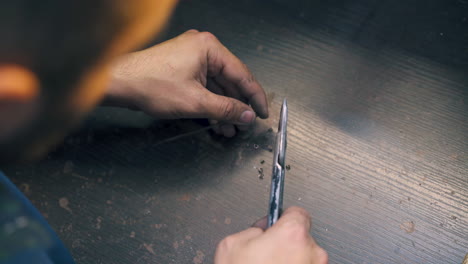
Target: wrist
pixel 119 93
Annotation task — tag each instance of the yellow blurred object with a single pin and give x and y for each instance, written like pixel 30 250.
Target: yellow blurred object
pixel 17 83
pixel 147 18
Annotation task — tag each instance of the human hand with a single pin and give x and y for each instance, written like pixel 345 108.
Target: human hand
pixel 286 242
pixel 190 76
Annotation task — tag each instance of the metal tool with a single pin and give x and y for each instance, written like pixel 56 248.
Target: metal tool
pixel 277 178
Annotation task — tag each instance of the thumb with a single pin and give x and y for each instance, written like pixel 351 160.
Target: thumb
pixel 228 109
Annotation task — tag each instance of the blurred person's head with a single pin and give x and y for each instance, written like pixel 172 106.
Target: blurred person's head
pixel 54 61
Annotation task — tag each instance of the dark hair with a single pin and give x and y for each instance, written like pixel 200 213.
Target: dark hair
pixel 59 40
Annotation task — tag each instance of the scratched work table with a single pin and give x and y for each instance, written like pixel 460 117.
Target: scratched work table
pixel 378 141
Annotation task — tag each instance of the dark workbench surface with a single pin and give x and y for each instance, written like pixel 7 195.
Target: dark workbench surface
pixel 377 142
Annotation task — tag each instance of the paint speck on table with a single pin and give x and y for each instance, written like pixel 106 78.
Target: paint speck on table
pixel 159 226
pixel 25 188
pixel 199 258
pixel 149 248
pixel 408 226
pixel 146 212
pixel 63 202
pixel 184 198
pixel 76 243
pixel 98 222
pixel 132 234
pixel 175 245
pixel 227 221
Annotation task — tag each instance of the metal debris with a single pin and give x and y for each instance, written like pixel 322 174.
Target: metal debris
pixel 260 173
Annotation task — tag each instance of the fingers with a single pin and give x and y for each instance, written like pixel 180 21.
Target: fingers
pixel 238 239
pixel 261 223
pixel 230 89
pixel 246 235
pixel 214 87
pixel 243 127
pixel 294 225
pixel 220 86
pixel 319 255
pixel 295 215
pixel 222 63
pixel 228 109
pixel 227 130
pixel 287 241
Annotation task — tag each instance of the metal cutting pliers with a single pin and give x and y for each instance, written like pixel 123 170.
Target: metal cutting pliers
pixel 277 179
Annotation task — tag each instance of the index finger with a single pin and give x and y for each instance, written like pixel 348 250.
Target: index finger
pixel 294 216
pixel 221 62
pixel 293 225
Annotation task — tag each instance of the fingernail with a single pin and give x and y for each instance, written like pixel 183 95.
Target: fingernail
pixel 247 117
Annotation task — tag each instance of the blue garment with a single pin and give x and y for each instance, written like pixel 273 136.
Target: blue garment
pixel 25 236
